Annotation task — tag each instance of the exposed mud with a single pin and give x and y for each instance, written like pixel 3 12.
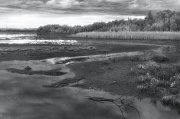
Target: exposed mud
pixel 54 72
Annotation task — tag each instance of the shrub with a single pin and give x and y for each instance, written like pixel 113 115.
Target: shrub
pixel 160 58
pixel 158 78
pixel 173 100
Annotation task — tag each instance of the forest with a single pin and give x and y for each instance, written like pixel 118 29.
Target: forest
pixel 165 20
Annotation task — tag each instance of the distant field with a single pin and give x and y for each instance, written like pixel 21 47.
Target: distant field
pixel 130 35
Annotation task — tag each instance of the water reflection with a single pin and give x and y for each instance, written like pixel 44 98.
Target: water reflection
pixel 23 97
pixel 27 41
pixel 10 36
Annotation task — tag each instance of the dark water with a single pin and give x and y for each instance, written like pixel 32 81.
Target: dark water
pixel 24 97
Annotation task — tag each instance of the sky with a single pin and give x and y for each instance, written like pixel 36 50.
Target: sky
pixel 35 13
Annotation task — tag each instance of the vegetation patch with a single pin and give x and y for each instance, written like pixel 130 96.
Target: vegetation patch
pixel 163 80
pixel 129 35
pixel 160 58
pixel 28 71
pixel 146 56
pixel 173 100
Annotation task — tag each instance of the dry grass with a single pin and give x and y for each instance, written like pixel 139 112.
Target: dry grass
pixel 130 35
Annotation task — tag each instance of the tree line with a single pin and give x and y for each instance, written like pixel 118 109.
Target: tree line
pixel 166 20
pixel 18 30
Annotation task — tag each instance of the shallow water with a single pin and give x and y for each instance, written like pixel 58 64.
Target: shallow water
pixel 13 36
pixel 24 97
pixel 28 41
pixel 20 39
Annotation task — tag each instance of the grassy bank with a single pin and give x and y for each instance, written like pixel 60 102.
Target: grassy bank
pixel 130 35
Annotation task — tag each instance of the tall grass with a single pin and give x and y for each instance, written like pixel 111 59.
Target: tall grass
pixel 130 35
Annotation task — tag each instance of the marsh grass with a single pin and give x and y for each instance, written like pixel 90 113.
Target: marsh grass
pixel 130 35
pixel 158 75
pixel 160 79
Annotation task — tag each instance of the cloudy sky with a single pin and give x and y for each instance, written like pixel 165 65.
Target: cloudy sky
pixel 35 13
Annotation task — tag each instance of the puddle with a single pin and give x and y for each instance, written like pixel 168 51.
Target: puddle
pixel 24 97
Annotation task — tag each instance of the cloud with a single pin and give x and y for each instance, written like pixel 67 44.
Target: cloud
pixel 63 3
pixel 80 8
pixel 93 6
pixel 36 20
pixel 159 4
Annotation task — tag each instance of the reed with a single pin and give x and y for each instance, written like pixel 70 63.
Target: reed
pixel 130 35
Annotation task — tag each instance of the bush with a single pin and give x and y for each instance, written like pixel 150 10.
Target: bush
pixel 173 100
pixel 160 58
pixel 158 78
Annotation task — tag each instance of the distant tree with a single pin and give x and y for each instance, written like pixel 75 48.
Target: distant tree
pixel 165 16
pixel 161 21
pixel 150 18
pixel 158 26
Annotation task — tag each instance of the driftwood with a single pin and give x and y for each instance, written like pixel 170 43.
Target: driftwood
pixel 122 105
